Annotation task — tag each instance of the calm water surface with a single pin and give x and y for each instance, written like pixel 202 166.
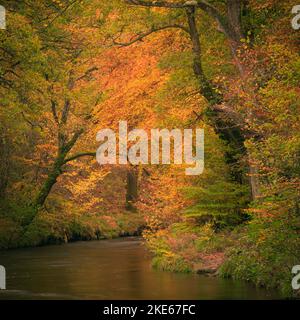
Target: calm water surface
pixel 108 269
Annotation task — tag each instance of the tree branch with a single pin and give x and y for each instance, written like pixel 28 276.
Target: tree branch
pixel 212 11
pixel 53 108
pixel 65 112
pixel 217 16
pixel 62 12
pixel 87 73
pixel 152 30
pixel 80 155
pixel 68 146
pixel 32 124
pixel 161 4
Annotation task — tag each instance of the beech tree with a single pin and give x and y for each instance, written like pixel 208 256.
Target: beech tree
pixel 229 124
pixel 65 141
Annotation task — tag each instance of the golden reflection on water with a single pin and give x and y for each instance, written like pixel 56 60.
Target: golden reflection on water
pixel 108 269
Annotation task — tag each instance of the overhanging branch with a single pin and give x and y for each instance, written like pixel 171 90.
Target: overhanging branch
pixel 212 11
pixel 161 4
pixel 152 30
pixel 80 155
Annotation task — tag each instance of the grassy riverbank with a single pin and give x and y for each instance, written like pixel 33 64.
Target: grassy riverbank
pixel 182 247
pixel 63 227
pixel 257 253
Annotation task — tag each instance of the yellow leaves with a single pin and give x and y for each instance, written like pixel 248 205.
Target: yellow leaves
pixel 85 185
pixel 58 2
pixel 261 239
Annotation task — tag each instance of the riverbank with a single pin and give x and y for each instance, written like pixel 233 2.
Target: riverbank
pixel 230 253
pixel 203 253
pixel 109 269
pixel 57 229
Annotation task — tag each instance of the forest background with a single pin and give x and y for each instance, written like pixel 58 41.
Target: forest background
pixel 70 68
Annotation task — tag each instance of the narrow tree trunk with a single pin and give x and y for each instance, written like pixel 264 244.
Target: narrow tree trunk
pixel 131 189
pixel 4 165
pixel 254 181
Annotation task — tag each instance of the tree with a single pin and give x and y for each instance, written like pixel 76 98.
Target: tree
pixel 39 75
pixel 228 123
pixel 65 143
pixel 131 189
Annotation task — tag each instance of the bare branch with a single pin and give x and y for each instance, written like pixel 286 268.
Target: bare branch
pixel 210 9
pixel 71 84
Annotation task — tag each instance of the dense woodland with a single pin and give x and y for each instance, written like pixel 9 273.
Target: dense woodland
pixel 232 67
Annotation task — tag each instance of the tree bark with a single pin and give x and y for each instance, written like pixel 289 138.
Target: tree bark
pixel 234 15
pixel 4 165
pixel 64 147
pixel 131 189
pixel 254 181
pixel 57 169
pixel 206 88
pixel 54 173
pixel 227 129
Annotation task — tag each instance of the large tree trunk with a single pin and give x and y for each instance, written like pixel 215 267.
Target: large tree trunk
pixel 64 147
pixel 228 128
pixel 65 144
pixel 54 173
pixel 206 88
pixel 234 15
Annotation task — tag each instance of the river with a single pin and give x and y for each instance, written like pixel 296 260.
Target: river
pixel 108 269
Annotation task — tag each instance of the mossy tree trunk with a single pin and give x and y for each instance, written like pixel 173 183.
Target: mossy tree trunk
pixel 65 142
pixel 225 127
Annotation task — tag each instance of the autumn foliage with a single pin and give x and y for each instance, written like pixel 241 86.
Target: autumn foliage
pixel 71 68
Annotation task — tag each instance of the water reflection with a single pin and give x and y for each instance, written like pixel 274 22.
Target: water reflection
pixel 108 269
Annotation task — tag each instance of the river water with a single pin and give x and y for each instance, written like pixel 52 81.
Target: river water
pixel 108 269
